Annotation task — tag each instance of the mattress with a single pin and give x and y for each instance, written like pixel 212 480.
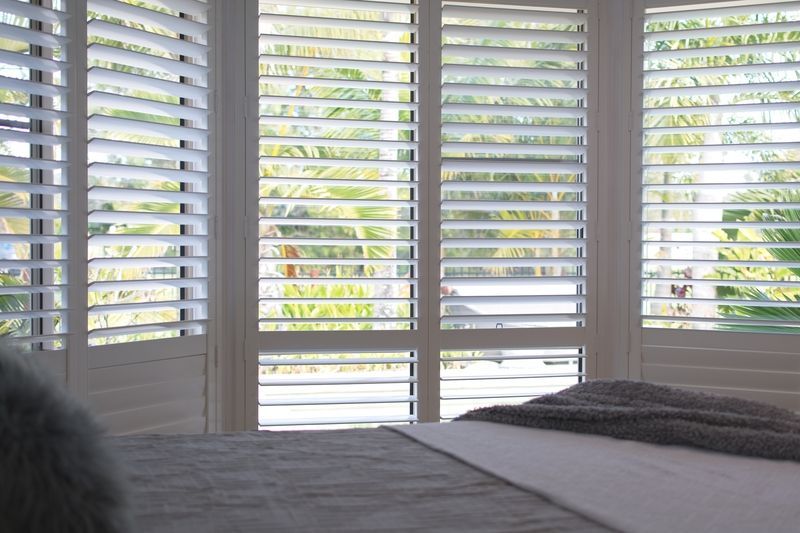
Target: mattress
pixel 629 485
pixel 371 480
pixel 462 476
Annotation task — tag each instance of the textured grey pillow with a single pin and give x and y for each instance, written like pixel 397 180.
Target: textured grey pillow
pixel 56 472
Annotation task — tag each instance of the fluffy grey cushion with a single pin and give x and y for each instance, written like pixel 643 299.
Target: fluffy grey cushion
pixel 635 410
pixel 56 472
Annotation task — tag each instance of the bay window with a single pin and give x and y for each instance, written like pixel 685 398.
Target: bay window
pixel 334 213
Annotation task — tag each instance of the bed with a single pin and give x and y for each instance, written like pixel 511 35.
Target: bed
pixel 603 455
pixel 726 466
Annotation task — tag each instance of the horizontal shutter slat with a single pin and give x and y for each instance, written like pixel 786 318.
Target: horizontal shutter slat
pixel 339 123
pixel 142 329
pixel 337 103
pixel 766 48
pixel 715 12
pixel 144 217
pixel 477 52
pixel 334 163
pixel 356 5
pixel 512 148
pixel 723 89
pixel 339 222
pixel 102 76
pixel 154 151
pixel 787 66
pixel 514 72
pixel 31 87
pixel 147 262
pixel 41 13
pixel 338 43
pixel 101 52
pixel 147 17
pixel 112 239
pixel 31 112
pixel 140 307
pixel 333 142
pixel 143 105
pixel 506 14
pixel 32 62
pixel 132 285
pixel 139 172
pixel 513 34
pixel 333 82
pixel 336 182
pixel 329 22
pixel 147 195
pixel 141 127
pixel 32 138
pixel 118 32
pixel 319 62
pixel 339 281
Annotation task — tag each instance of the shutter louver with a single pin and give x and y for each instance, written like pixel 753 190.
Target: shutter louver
pixel 721 160
pixel 148 170
pixel 338 213
pixel 514 87
pixel 34 175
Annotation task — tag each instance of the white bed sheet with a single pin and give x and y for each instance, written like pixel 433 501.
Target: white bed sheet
pixel 627 485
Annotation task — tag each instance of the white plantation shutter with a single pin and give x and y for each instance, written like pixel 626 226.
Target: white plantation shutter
pixel 514 184
pixel 34 178
pixel 720 198
pixel 148 169
pixel 148 100
pixel 338 216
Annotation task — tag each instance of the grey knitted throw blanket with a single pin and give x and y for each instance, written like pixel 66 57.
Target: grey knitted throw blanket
pixel 658 414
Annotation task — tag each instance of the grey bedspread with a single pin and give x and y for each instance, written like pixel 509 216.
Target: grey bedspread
pixel 333 481
pixel 658 414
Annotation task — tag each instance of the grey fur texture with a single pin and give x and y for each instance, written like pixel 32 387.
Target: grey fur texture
pixel 57 474
pixel 658 414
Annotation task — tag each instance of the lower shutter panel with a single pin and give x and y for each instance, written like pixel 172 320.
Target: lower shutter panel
pixel 479 378
pixel 309 390
pixel 143 391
